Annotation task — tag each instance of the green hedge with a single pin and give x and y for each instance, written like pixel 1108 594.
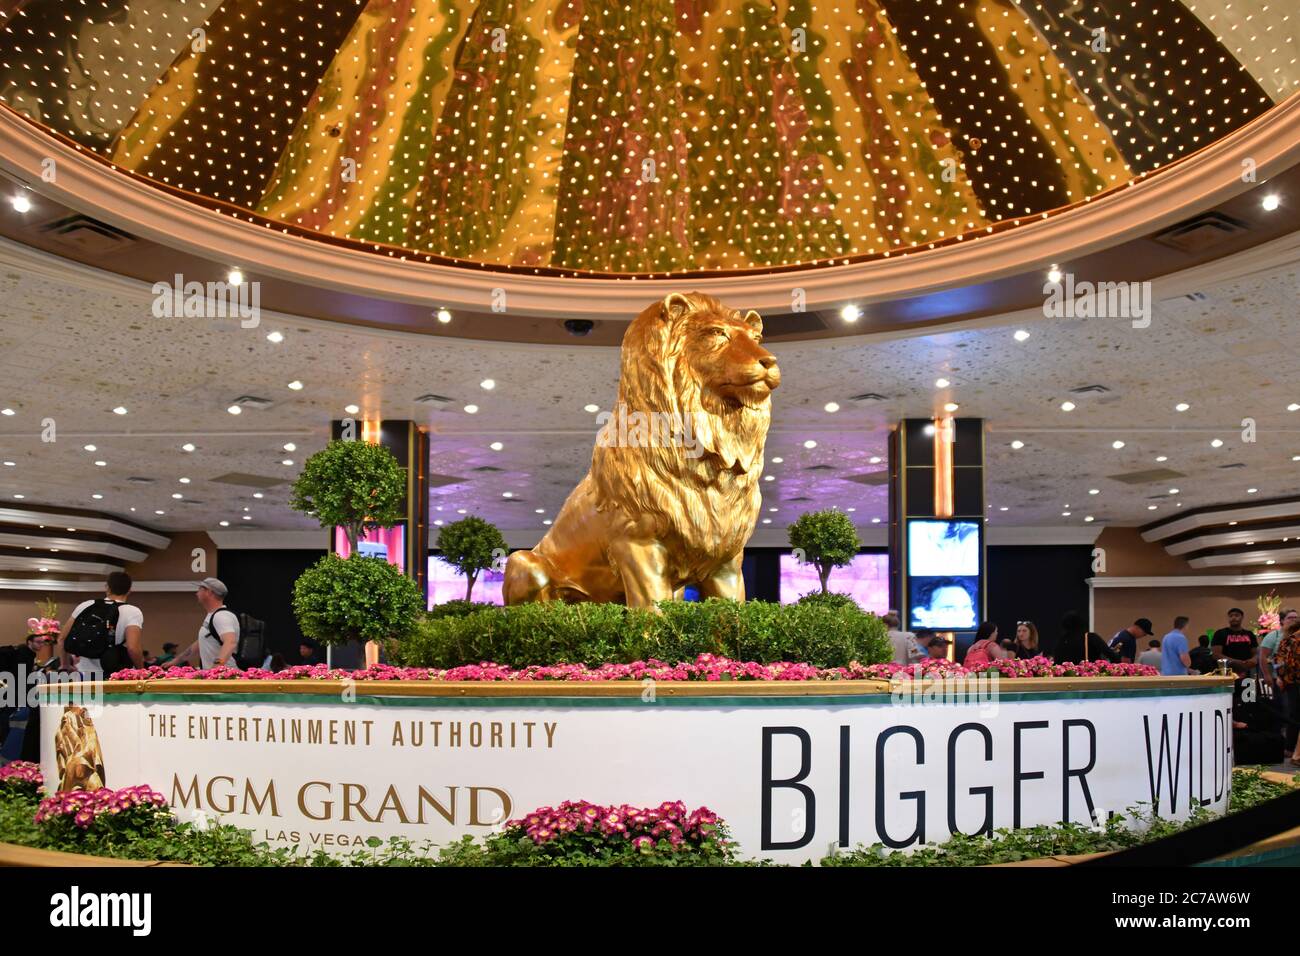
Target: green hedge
pixel 825 635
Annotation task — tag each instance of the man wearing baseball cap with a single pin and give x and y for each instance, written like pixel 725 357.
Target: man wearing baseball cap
pixel 218 635
pixel 1125 640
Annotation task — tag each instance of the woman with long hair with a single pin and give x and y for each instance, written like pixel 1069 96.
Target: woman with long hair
pixel 985 648
pixel 1286 665
pixel 1026 644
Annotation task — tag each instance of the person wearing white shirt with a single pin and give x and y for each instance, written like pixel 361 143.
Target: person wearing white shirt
pixel 218 636
pixel 906 650
pixel 130 622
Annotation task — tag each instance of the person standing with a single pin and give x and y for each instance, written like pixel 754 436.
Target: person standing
pixel 218 637
pixel 1078 644
pixel 1268 649
pixel 1125 640
pixel 1235 644
pixel 1286 667
pixel 1151 656
pixel 1175 660
pixel 112 607
pixel 904 642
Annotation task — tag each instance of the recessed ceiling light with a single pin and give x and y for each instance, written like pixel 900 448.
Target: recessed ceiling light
pixel 1094 491
pixel 773 508
pixel 547 521
pixel 1269 202
pixel 21 203
pixel 258 494
pixel 10 464
pixel 235 277
pixel 97 497
pixel 1020 335
pixel 177 495
pixel 778 460
pixel 1087 518
pixel 1117 444
pixel 591 408
pixel 160 512
pixel 1065 514
pixel 471 409
pixel 1217 443
pixel 275 337
pixel 461 511
pixel 496 446
pixel 875 521
pixel 444 316
pixel 941 383
pixel 832 407
pixel 235 410
pixel 1173 491
pixel 102 464
pixel 1293 407
pixel 351 409
pixel 1162 457
pixel 1270 561
pixel 850 313
pixel 507 494
pixel 540 511
pixel 120 410
pixel 1017 444
pixel 769 478
pixel 1067 406
pixel 488 384
pixel 810 444
pixel 1181 407
pixel 247 517
pixel 288 462
pixel 183 481
pixel 1231 523
pixel 928 429
pixel 89 448
pixel 1293 458
pixel 951 406
pixel 1252 491
pixel 1250 543
pixel 188 446
pixel 289 446
pixel 224 524
pixel 850 509
pixel 767 521
pixel 1151 507
pixel 19 496
pixel 1003 508
pixel 438 522
pixel 1054 274
pixel 296 385
pixel 7 411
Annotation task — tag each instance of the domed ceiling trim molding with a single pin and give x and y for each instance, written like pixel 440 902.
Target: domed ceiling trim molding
pixel 1268 144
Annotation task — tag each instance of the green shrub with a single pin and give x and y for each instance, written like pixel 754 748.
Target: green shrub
pixel 458 608
pixel 828 599
pixel 555 633
pixel 338 600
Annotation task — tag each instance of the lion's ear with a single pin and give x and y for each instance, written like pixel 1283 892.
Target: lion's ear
pixel 754 320
pixel 675 300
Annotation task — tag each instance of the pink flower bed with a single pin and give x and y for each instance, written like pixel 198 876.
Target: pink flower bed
pixel 706 667
pixel 643 827
pixel 22 775
pixel 84 808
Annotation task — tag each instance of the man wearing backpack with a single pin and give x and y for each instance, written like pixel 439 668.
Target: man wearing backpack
pixel 218 639
pixel 104 634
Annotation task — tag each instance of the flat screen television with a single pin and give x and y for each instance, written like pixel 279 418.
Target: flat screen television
pixel 865 579
pixel 448 584
pixel 945 561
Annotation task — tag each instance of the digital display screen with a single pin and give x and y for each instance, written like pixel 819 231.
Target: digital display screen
pixel 865 579
pixel 386 543
pixel 944 559
pixel 448 584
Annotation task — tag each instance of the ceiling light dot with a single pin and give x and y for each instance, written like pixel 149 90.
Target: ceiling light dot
pixel 224 524
pixel 496 446
pixel 160 512
pixel 1117 444
pixel 1173 491
pixel 1020 335
pixel 461 511
pixel 1017 444
pixel 1252 491
pixel 235 410
pixel 1094 491
pixel 1003 508
pixel 444 316
pixel 928 429
pixel 832 407
pixel 21 203
pixel 591 408
pixel 438 521
pixel 188 446
pixel 767 521
pixel 1065 514
pixel 951 406
pixel 101 464
pixel 1217 443
pixel 850 313
pixel 289 446
pixel 471 409
pixel 1054 274
pixel 941 383
pixel 7 411
pixel 20 497
pixel 1162 457
pixel 1293 407
pixel 10 464
pixel 769 478
pixel 288 462
pixel 351 409
pixel 97 497
pixel 778 460
pixel 810 444
pixel 258 494
pixel 183 481
pixel 235 277
pixel 295 385
pixel 1270 561
pixel 547 521
pixel 1151 507
pixel 1088 518
pixel 120 410
pixel 1182 407
pixel 1269 202
pixel 247 517
pixel 89 448
pixel 275 337
pixel 487 384
pixel 1067 406
pixel 507 494
pixel 540 511
pixel 177 495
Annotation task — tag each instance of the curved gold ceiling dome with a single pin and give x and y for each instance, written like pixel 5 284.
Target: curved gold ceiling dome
pixel 648 137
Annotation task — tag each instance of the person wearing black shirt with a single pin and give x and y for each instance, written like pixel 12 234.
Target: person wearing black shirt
pixel 1235 644
pixel 17 664
pixel 1078 644
pixel 1125 641
pixel 1204 660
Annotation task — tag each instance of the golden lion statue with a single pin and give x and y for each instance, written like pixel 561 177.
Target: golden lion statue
pixel 77 754
pixel 673 491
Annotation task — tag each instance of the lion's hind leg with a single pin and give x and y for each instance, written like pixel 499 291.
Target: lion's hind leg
pixel 527 578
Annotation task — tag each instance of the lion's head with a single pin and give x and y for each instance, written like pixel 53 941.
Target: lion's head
pixel 690 355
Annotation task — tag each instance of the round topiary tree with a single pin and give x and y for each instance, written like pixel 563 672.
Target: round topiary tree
pixel 357 598
pixel 471 545
pixel 354 485
pixel 824 539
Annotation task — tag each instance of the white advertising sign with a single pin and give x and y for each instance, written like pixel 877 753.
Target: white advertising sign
pixel 792 776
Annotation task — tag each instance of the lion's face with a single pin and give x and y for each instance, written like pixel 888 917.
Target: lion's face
pixel 723 353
